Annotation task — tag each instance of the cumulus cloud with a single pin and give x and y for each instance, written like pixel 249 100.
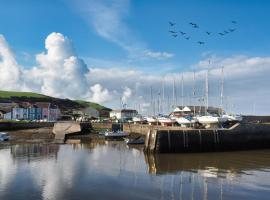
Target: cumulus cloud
pixel 61 72
pixel 10 73
pixel 99 94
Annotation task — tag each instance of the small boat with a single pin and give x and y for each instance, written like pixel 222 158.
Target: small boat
pixel 184 121
pixel 115 134
pixel 103 132
pixel 138 119
pixel 165 121
pixel 138 140
pixel 151 120
pixel 233 118
pixel 4 137
pixel 208 119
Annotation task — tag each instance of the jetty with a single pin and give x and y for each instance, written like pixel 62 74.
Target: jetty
pixel 241 136
pixel 64 128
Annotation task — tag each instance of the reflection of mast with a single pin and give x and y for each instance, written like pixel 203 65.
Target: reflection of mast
pixel 181 186
pixel 192 186
pixel 221 189
pixel 205 189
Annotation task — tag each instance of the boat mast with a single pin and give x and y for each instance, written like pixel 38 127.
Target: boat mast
pixel 173 102
pixel 222 89
pixel 151 100
pixel 206 92
pixel 207 89
pixel 182 90
pixel 163 96
pixel 194 85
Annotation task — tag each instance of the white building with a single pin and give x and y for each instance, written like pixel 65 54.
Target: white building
pixel 123 114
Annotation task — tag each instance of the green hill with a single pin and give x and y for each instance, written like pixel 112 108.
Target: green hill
pixel 64 104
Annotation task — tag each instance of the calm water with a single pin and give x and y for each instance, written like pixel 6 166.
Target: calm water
pixel 111 170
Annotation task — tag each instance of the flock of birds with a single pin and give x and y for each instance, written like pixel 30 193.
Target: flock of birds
pixel 186 36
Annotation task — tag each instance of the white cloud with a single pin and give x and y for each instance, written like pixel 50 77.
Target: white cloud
pixel 10 73
pixel 158 55
pixel 107 18
pixel 60 72
pixel 126 94
pixel 99 94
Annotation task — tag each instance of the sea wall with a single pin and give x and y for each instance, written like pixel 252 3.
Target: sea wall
pixel 239 137
pixel 101 125
pixel 10 126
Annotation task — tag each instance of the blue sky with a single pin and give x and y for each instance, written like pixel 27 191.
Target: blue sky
pixel 26 24
pixel 128 40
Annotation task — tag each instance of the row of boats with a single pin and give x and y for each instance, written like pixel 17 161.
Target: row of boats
pixel 188 120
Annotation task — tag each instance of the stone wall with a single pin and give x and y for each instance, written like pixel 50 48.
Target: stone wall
pixel 8 126
pixel 240 137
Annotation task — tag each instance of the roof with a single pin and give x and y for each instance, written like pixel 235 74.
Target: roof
pixel 124 110
pixel 210 109
pixel 43 104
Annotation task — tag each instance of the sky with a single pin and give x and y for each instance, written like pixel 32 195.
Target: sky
pixel 109 51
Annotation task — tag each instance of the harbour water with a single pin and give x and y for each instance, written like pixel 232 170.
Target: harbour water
pixel 112 170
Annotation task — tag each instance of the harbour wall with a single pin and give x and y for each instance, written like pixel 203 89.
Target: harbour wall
pixel 64 128
pixel 239 137
pixel 12 126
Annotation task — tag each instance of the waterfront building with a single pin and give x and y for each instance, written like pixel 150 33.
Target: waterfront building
pixel 197 110
pixel 19 112
pixel 31 111
pixel 123 114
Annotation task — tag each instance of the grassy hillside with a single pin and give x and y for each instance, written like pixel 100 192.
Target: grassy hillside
pixel 10 94
pixel 64 104
pixel 91 104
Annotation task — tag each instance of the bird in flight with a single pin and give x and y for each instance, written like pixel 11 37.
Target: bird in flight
pixel 208 33
pixel 199 42
pixel 173 32
pixel 172 24
pixel 234 22
pixel 195 26
pixel 174 35
pixel 183 33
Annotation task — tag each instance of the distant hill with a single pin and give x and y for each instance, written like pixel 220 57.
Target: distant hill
pixel 64 104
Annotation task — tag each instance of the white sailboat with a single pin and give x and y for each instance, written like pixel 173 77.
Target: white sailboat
pixel 138 119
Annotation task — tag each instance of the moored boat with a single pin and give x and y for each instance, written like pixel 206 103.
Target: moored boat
pixel 115 134
pixel 4 136
pixel 138 140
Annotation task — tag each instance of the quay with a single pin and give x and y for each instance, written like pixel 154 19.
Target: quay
pixel 174 139
pixel 64 128
pixel 241 136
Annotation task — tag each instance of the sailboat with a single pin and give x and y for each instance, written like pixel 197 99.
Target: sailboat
pixel 207 119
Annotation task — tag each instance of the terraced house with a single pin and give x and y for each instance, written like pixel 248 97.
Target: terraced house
pixel 38 111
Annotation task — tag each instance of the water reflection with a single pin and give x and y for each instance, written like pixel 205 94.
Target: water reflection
pixel 209 164
pixel 112 170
